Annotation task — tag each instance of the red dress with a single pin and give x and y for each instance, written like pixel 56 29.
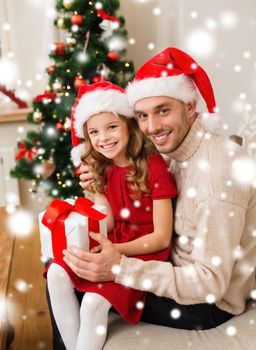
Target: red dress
pixel 133 219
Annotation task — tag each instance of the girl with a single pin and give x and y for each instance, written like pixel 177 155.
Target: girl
pixel 133 182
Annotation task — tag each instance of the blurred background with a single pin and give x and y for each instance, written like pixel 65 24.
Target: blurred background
pixel 219 34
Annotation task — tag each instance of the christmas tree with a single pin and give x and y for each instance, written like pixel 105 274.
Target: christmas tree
pixel 91 51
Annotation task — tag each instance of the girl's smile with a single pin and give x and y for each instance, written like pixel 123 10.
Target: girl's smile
pixel 109 136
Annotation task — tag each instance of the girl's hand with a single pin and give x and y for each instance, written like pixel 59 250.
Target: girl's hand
pixel 86 176
pixel 96 249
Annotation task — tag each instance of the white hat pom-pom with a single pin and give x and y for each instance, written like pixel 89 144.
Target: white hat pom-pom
pixel 212 122
pixel 76 154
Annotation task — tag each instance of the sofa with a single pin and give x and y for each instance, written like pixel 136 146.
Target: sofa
pixel 239 333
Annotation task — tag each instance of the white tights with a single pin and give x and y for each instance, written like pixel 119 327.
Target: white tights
pixel 84 331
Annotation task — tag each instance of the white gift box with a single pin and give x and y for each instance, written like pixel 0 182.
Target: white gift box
pixel 76 230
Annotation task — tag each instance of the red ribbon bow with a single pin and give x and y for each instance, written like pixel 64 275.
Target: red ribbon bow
pixel 104 15
pixel 25 152
pixel 56 214
pixel 46 95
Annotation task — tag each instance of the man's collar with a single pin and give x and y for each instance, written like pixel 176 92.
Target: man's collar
pixel 190 144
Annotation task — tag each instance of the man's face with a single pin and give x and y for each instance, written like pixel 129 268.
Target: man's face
pixel 165 121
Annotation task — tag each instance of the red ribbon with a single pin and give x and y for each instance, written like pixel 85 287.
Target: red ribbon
pixel 104 15
pixel 25 152
pixel 46 95
pixel 56 214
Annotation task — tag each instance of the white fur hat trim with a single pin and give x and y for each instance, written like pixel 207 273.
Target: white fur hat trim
pixel 179 87
pixel 97 102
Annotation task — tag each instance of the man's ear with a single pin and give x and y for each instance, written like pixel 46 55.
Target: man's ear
pixel 191 109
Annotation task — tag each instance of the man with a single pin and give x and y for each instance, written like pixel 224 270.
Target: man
pixel 211 272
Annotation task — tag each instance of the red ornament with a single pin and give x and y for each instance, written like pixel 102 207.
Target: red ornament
pixel 97 78
pixel 77 20
pixel 59 48
pixel 60 126
pixel 78 82
pixel 51 69
pixel 113 56
pixel 24 152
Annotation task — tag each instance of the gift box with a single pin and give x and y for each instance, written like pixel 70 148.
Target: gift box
pixel 67 222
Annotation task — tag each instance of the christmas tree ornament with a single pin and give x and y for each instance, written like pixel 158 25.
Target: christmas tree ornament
pixel 37 116
pixel 79 80
pixel 24 152
pixel 70 41
pixel 57 85
pixel 60 23
pixel 97 78
pixel 113 55
pixel 59 48
pixel 46 97
pixel 68 4
pixel 67 124
pixel 103 70
pixel 51 69
pixel 108 27
pixel 77 19
pixel 60 126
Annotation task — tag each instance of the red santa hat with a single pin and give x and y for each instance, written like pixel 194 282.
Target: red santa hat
pixel 94 99
pixel 175 74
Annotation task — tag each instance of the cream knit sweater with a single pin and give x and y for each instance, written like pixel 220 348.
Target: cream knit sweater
pixel 214 254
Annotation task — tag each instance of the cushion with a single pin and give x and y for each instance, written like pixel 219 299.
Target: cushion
pixel 239 333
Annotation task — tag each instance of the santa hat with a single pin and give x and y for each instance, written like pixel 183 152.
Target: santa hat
pixel 175 74
pixel 94 99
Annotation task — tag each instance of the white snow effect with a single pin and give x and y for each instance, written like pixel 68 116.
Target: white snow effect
pixel 125 213
pixel 228 19
pixel 183 239
pixel 216 260
pixel 197 242
pixel 175 314
pixel 194 14
pixel 116 43
pixel 20 223
pixel 238 252
pixel 203 164
pixel 100 330
pixel 147 283
pixel 210 298
pixel 191 192
pixel 139 305
pixel 237 68
pixel 98 5
pixel 231 331
pixel 211 24
pixel 8 72
pixel 157 11
pixel 137 203
pixel 3 307
pixel 151 46
pixel 116 269
pixel 21 285
pixel 253 294
pixel 244 170
pixel 200 42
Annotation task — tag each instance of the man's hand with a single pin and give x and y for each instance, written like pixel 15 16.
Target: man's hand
pixel 86 176
pixel 94 267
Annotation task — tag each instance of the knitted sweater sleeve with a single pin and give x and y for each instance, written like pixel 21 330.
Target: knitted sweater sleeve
pixel 212 259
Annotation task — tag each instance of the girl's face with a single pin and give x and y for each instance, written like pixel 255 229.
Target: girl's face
pixel 109 136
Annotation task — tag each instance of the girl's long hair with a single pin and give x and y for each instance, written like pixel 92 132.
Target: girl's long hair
pixel 137 151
